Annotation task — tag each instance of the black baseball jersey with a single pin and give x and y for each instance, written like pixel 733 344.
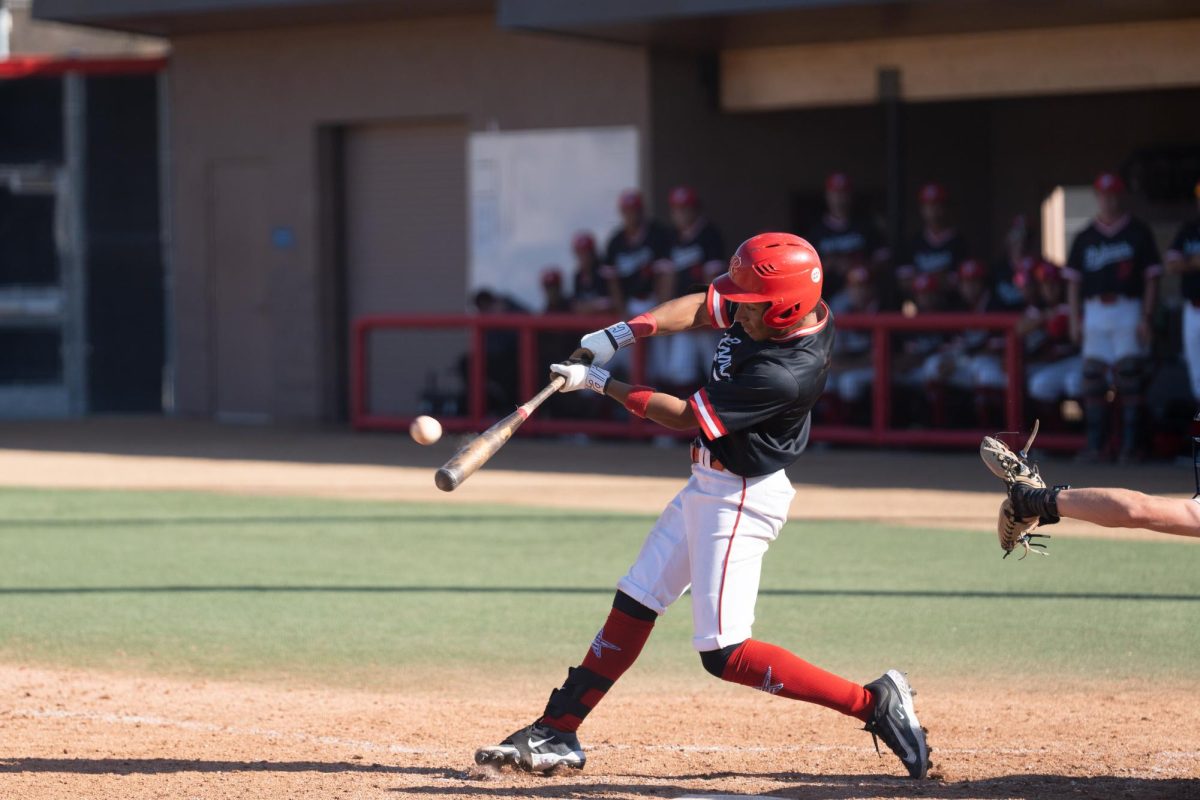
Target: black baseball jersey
pixel 634 261
pixel 587 284
pixel 854 241
pixel 939 254
pixel 755 410
pixel 1114 259
pixel 691 250
pixel 1187 246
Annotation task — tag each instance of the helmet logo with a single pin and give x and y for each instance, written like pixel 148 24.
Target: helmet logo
pixel 816 275
pixel 735 262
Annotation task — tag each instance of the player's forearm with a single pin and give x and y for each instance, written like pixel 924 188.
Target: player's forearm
pixel 681 314
pixel 1124 508
pixel 665 409
pixel 1150 298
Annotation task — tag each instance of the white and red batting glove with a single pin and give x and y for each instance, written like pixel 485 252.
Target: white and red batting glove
pixel 580 375
pixel 605 342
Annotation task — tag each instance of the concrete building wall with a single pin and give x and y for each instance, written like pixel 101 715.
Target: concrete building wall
pixel 264 97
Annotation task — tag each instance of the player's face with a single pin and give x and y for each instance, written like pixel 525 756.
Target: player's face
pixel 932 213
pixel 1051 292
pixel 750 315
pixel 631 217
pixel 682 217
pixel 1109 204
pixel 838 201
pixel 972 290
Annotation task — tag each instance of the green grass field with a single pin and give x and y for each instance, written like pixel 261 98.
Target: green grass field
pixel 383 594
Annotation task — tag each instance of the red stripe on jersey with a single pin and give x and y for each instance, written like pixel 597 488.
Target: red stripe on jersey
pixel 716 309
pixel 725 564
pixel 709 421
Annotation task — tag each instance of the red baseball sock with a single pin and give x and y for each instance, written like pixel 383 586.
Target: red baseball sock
pixel 613 651
pixel 776 671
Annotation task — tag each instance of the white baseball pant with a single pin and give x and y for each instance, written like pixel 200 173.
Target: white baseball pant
pixel 1191 345
pixel 712 537
pixel 1110 329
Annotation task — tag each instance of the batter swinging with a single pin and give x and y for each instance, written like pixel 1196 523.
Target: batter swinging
pixel 754 419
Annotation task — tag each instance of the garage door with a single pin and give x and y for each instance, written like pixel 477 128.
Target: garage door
pixel 406 251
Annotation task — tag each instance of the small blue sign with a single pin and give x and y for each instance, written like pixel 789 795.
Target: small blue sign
pixel 283 237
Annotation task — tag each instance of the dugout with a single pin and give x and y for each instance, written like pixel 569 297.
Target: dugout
pixel 81 278
pixel 319 150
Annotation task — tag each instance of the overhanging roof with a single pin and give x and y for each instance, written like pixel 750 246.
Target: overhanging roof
pixel 719 24
pixel 181 17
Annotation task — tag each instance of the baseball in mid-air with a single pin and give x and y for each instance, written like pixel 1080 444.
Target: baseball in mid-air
pixel 425 430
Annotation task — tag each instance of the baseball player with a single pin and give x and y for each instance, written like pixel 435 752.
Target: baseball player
pixel 852 373
pixel 696 255
pixel 1031 503
pixel 938 248
pixel 842 241
pixel 754 417
pixel 1114 268
pixel 589 294
pixel 1184 257
pixel 1053 363
pixel 631 255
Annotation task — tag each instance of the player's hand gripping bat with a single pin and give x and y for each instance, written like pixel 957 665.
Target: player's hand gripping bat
pixel 475 453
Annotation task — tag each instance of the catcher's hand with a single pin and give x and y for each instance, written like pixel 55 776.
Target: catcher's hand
pixel 1013 532
pixel 1014 468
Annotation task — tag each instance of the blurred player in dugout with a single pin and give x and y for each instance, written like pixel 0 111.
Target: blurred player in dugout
pixel 844 240
pixel 937 249
pixel 695 255
pixel 1184 257
pixel 1114 270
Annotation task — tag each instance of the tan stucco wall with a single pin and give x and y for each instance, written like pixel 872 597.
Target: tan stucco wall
pixel 261 95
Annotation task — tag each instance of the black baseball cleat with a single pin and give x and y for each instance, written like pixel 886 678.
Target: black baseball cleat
pixel 895 721
pixel 535 748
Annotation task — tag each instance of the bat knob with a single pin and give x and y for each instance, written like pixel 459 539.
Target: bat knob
pixel 447 479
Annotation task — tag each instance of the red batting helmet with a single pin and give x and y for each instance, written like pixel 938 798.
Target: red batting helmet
pixel 1109 183
pixel 685 197
pixel 777 268
pixel 927 282
pixel 1047 272
pixel 972 270
pixel 552 276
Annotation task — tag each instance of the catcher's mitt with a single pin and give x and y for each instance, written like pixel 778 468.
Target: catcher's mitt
pixel 1014 468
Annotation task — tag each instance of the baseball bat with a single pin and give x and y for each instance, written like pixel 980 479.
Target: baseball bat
pixel 476 452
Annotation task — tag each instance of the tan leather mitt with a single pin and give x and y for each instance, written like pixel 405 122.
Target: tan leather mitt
pixel 1014 468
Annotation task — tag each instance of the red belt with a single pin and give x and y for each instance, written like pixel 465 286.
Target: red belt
pixel 1108 298
pixel 698 454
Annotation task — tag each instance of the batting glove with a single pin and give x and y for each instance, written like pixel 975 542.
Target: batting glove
pixel 580 375
pixel 605 343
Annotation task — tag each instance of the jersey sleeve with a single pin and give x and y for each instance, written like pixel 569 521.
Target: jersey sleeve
pixel 1073 269
pixel 720 310
pixel 753 395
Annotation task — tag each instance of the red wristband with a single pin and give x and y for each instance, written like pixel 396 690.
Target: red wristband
pixel 643 325
pixel 639 400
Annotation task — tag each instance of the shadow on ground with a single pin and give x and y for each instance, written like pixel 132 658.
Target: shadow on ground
pixel 157 766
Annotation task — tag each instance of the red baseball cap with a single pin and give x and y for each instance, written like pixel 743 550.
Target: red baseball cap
pixel 926 282
pixel 838 182
pixel 972 270
pixel 552 276
pixel 630 200
pixel 1108 183
pixel 583 242
pixel 684 197
pixel 932 193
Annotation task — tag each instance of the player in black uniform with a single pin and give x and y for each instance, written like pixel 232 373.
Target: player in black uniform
pixel 696 255
pixel 1184 257
pixel 1113 268
pixel 631 257
pixel 589 292
pixel 844 241
pixel 937 249
pixel 754 418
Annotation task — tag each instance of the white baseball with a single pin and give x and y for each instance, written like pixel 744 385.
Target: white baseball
pixel 425 430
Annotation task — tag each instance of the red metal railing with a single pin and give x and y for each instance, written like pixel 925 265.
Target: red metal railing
pixel 880 433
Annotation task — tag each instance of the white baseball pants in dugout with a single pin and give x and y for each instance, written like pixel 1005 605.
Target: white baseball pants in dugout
pixel 712 537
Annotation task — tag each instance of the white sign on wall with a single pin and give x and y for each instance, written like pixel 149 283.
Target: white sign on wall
pixel 530 191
